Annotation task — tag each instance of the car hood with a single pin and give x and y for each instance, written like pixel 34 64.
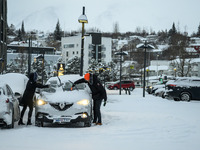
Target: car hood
pixel 65 96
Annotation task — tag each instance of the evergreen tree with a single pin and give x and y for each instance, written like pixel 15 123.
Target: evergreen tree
pixel 11 30
pixel 19 36
pixel 198 32
pixel 57 32
pixel 173 30
pixel 73 66
pixel 23 33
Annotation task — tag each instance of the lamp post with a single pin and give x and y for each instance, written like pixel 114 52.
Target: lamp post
pixel 145 46
pixel 175 72
pixel 2 65
pixel 29 55
pixel 147 76
pixel 82 19
pixel 120 73
pixel 157 65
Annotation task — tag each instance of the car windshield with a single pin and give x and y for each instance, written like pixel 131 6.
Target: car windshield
pixel 66 86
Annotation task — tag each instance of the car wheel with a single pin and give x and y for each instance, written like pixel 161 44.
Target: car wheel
pixel 163 95
pixel 39 123
pixel 115 88
pixel 131 88
pixel 13 122
pixel 185 96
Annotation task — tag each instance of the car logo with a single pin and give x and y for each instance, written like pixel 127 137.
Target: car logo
pixel 62 105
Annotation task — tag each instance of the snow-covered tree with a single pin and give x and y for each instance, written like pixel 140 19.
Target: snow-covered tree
pixel 73 66
pixel 37 66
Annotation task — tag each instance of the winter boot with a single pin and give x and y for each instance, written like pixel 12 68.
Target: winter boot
pixel 29 122
pixel 20 122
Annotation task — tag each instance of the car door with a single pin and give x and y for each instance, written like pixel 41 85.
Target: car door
pixel 195 89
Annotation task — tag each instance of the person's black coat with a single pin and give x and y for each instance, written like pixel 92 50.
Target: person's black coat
pixel 29 92
pixel 98 91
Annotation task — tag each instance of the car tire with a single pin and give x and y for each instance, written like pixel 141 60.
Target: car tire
pixel 115 88
pixel 131 88
pixel 12 125
pixel 39 123
pixel 185 96
pixel 163 95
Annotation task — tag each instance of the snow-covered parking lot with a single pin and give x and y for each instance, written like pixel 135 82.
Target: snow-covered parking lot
pixel 130 122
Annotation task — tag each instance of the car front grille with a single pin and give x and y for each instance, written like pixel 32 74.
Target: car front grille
pixel 61 106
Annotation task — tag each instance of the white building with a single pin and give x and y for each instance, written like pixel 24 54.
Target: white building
pixel 95 47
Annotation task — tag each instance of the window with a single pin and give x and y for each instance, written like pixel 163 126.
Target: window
pixel 9 91
pixel 68 45
pixel 67 54
pixel 73 52
pixel 77 52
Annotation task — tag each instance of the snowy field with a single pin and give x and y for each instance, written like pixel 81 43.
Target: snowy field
pixel 130 122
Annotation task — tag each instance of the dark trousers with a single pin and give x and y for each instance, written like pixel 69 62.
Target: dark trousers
pixel 30 111
pixel 97 112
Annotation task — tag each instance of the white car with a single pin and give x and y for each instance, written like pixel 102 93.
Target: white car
pixel 61 105
pixel 9 106
pixel 16 81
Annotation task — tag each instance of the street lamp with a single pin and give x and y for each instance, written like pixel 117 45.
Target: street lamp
pixel 147 76
pixel 2 65
pixel 175 72
pixel 157 64
pixel 145 46
pixel 29 55
pixel 82 19
pixel 120 53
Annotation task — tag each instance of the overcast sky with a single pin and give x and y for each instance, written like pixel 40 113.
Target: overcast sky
pixel 148 14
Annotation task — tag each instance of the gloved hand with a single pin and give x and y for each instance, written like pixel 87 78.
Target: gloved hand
pixel 104 104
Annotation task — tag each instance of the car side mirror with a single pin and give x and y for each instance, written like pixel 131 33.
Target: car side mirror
pixel 17 95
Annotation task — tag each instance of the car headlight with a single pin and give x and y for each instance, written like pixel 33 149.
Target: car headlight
pixel 41 102
pixel 83 102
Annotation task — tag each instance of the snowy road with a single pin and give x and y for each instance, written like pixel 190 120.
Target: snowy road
pixel 130 122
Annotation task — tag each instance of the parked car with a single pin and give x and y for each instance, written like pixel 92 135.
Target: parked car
pixel 160 92
pixel 61 105
pixel 184 89
pixel 9 106
pixel 152 89
pixel 16 81
pixel 124 84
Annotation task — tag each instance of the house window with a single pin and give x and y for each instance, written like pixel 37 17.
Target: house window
pixel 77 52
pixel 68 45
pixel 67 54
pixel 73 52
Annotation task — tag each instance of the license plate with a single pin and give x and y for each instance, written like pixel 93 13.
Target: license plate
pixel 61 120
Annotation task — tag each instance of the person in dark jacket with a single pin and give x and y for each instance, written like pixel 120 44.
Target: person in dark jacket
pixel 27 99
pixel 98 94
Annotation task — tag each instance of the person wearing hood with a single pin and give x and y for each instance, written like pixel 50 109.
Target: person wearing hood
pixel 27 98
pixel 98 94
